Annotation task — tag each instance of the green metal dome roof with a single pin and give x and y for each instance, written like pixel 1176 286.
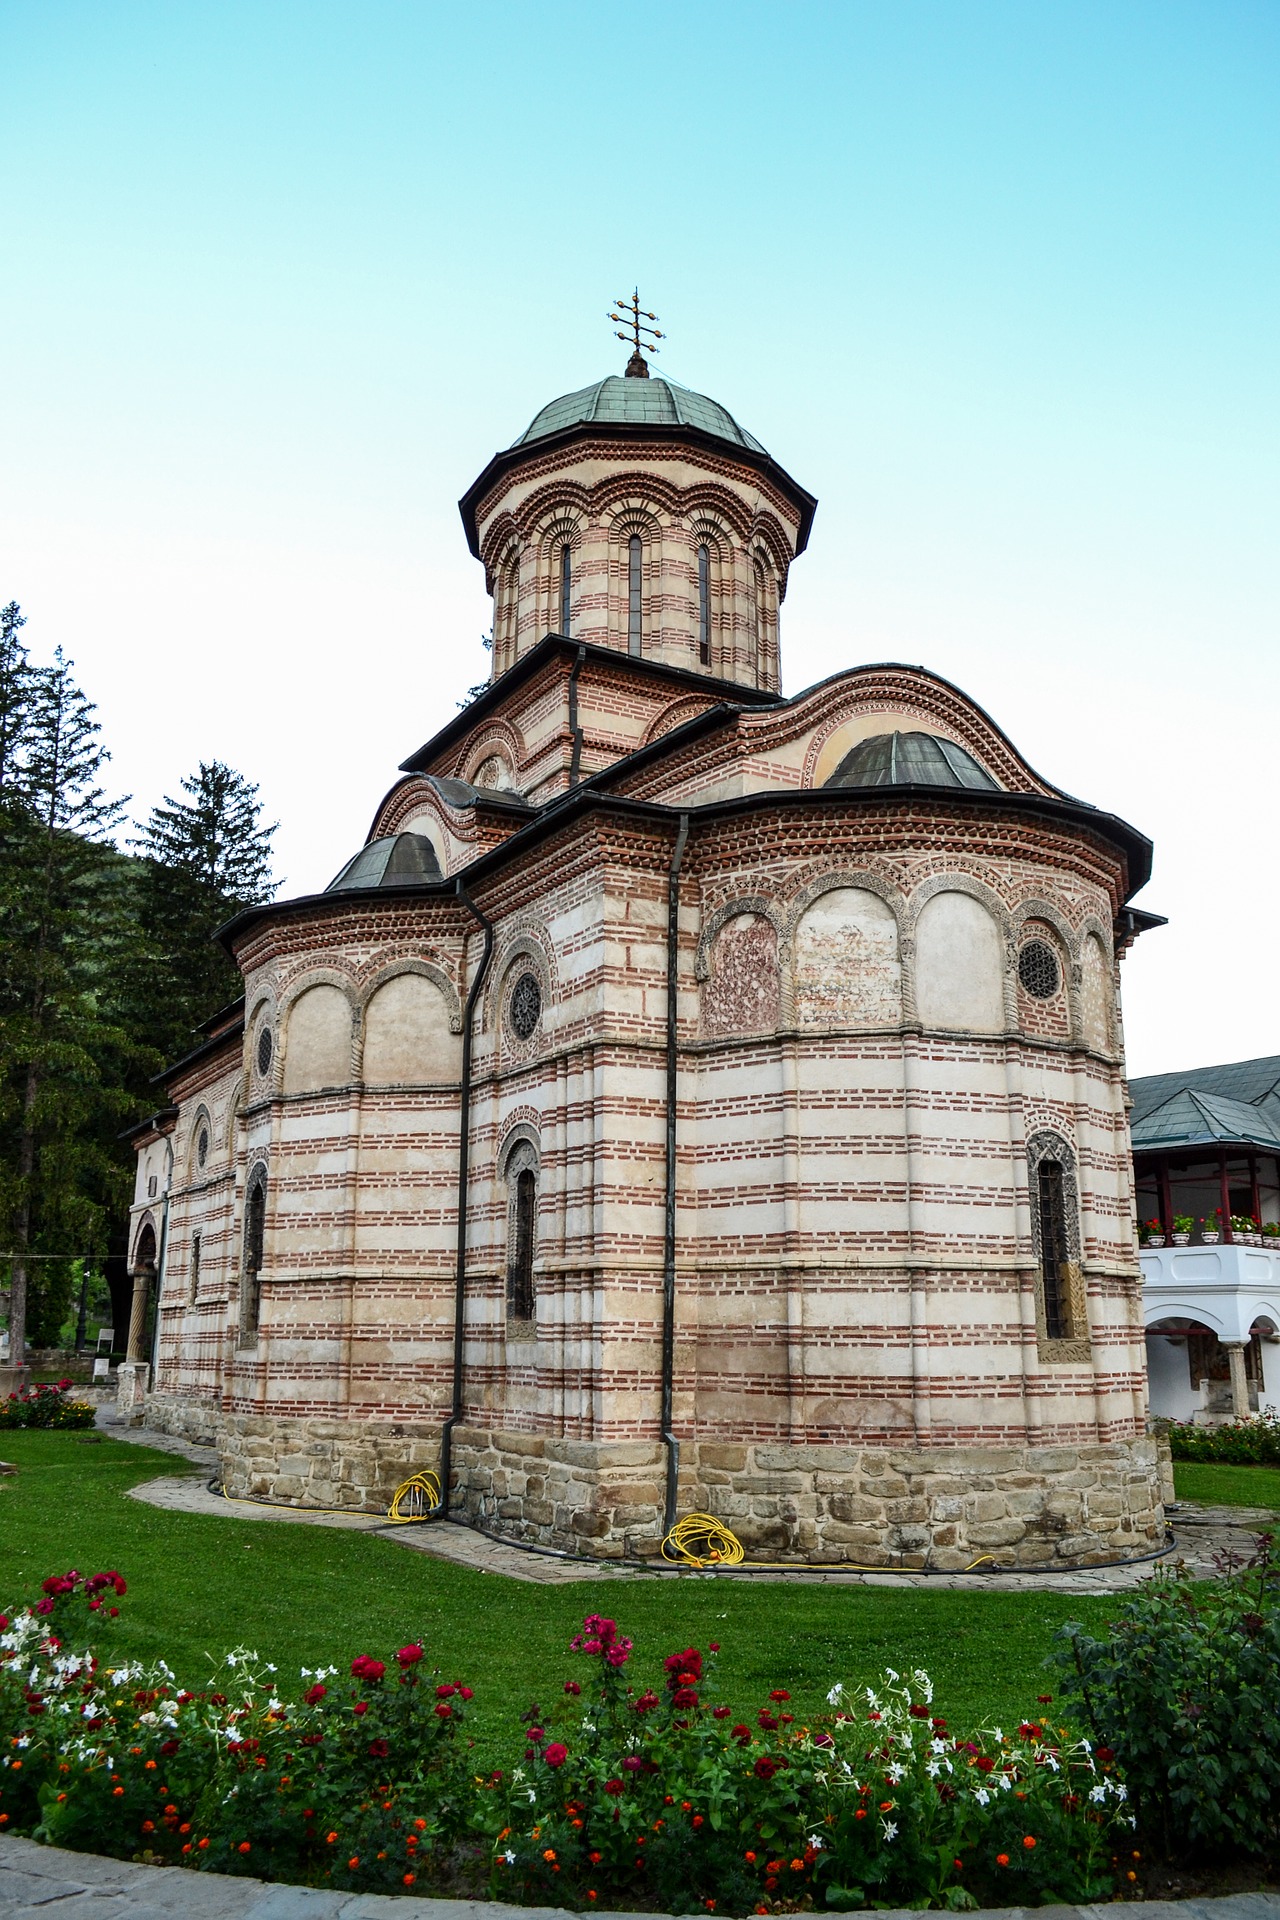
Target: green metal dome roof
pixel 629 402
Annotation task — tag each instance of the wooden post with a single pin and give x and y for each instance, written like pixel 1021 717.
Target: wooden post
pixel 1225 1194
pixel 1255 1201
pixel 1166 1200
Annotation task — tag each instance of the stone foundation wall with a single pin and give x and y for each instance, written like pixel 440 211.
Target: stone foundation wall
pixel 940 1507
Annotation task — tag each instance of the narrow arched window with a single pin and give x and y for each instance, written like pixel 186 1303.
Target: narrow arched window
pixel 566 587
pixel 255 1222
pixel 511 612
pixel 635 589
pixel 704 605
pixel 524 1205
pixel 1054 1250
pixel 195 1264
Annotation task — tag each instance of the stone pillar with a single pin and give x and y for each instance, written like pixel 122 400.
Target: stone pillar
pixel 1234 1350
pixel 134 1373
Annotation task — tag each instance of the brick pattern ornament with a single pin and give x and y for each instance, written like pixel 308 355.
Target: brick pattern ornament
pixel 882 1020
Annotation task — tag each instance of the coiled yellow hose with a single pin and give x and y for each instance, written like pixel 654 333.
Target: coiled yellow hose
pixel 413 1500
pixel 700 1540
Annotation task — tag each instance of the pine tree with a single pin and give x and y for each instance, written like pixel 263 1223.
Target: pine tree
pixel 204 858
pixel 55 822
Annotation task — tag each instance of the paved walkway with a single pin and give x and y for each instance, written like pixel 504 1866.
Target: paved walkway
pixel 39 1882
pixel 1201 1534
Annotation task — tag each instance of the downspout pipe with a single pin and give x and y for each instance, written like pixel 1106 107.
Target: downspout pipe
pixel 161 1263
pixel 575 729
pixel 669 1235
pixel 441 1510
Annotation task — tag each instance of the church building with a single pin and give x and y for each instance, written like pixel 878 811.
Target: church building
pixel 689 1097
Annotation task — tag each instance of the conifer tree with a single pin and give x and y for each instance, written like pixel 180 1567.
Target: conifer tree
pixel 205 857
pixel 55 822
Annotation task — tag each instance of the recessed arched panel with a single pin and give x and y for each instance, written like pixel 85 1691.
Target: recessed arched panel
pixel 741 991
pixel 847 969
pixel 318 1041
pixel 1096 996
pixel 407 1041
pixel 959 965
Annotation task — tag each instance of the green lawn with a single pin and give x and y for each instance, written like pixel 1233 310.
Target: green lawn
pixel 311 1596
pixel 1219 1486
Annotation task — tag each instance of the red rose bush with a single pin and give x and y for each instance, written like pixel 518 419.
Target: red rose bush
pixel 628 1792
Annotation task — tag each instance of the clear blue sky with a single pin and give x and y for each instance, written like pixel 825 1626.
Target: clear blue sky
pixel 998 282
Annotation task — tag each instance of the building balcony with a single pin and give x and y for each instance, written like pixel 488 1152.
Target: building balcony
pixel 1212 1317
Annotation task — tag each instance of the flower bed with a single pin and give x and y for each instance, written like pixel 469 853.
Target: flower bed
pixel 1241 1443
pixel 645 1796
pixel 45 1406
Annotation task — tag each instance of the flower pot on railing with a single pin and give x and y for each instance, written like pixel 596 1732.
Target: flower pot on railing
pixel 1210 1237
pixel 1155 1240
pixel 1182 1239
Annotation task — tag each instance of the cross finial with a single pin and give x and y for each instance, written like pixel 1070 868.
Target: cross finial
pixel 633 317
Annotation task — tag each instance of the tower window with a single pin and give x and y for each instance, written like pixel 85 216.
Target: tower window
pixel 635 585
pixel 1053 1250
pixel 255 1221
pixel 195 1264
pixel 704 605
pixel 520 1266
pixel 566 587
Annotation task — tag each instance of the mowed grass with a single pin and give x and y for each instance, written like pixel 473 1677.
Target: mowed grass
pixel 1223 1486
pixel 311 1596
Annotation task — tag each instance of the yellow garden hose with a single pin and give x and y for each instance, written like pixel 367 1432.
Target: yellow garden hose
pixel 700 1540
pixel 415 1499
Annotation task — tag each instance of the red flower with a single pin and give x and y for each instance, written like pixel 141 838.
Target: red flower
pixel 409 1656
pixel 1029 1841
pixel 571 1686
pixel 647 1702
pixel 379 1749
pixel 1002 1859
pixel 614 1786
pixel 984 1765
pixel 766 1720
pixel 741 1733
pixel 443 1710
pixel 1104 1755
pixel 918 1712
pixel 465 1693
pixel 556 1755
pixel 361 1706
pixel 684 1697
pixel 779 1693
pixel 684 1668
pixel 442 1693
pixel 315 1694
pixel 767 1767
pixel 720 1713
pixel 366 1669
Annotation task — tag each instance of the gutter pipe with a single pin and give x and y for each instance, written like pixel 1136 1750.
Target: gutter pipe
pixel 441 1510
pixel 669 1236
pixel 575 730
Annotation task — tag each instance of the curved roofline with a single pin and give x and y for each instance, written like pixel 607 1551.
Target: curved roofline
pixel 1135 848
pixel 626 431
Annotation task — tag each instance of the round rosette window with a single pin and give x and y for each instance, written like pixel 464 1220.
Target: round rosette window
pixel 264 1051
pixel 1038 970
pixel 525 1009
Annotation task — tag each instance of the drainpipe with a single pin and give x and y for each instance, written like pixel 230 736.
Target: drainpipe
pixel 669 1237
pixel 441 1511
pixel 575 752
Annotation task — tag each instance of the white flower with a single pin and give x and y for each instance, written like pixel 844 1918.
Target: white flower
pixel 271 1666
pixel 517 1773
pixel 836 1694
pixel 1121 1792
pixel 893 1774
pixel 981 1795
pixel 925 1684
pixel 933 1769
pixel 509 1857
pixel 937 1746
pixel 1005 1782
pixel 23 1740
pixel 816 1842
pixel 890 1673
pixel 997 1733
pixel 888 1829
pixel 1098 1794
pixel 1050 1761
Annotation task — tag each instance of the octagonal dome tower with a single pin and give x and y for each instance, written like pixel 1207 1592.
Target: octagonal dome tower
pixel 639 515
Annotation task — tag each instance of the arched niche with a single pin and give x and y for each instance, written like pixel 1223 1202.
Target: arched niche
pixel 848 972
pixel 959 965
pixel 1097 996
pixel 318 1041
pixel 740 994
pixel 407 1041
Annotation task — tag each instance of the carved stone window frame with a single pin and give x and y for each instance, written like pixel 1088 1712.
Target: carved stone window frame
pixel 253 1240
pixel 521 1165
pixel 1076 1347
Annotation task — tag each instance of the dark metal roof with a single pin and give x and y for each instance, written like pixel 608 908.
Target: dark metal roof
pixel 639 403
pixel 909 759
pixel 1239 1100
pixel 394 860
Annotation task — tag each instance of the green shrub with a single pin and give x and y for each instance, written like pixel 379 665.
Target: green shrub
pixel 44 1406
pixel 1240 1443
pixel 1185 1694
pixel 622 1795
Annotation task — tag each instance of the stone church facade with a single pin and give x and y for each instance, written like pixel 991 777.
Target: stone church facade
pixel 689 1098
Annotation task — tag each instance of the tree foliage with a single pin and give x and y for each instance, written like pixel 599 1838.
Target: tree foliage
pixel 106 966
